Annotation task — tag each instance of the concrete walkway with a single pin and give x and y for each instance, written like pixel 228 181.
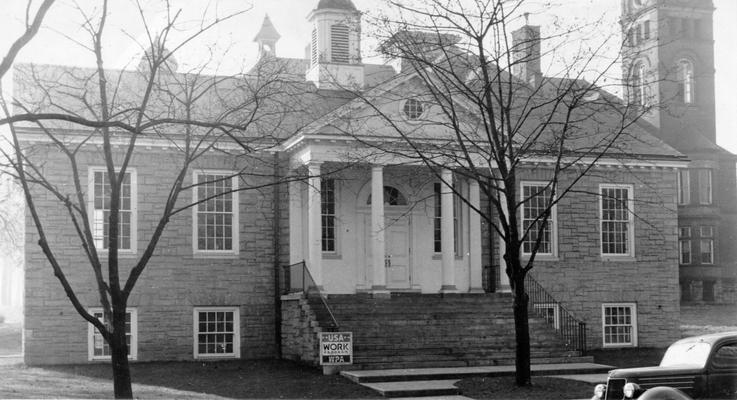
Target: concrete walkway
pixel 425 382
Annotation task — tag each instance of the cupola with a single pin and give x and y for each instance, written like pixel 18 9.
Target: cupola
pixel 335 45
pixel 267 38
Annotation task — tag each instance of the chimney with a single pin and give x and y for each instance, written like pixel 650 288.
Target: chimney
pixel 526 53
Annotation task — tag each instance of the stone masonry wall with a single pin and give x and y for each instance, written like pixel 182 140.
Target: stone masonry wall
pixel 582 280
pixel 175 281
pixel 299 335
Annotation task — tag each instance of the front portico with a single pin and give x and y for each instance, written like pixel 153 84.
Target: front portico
pixel 419 237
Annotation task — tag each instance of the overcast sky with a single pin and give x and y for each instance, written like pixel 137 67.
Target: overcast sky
pixel 234 38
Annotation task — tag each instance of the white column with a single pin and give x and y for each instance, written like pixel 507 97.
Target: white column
pixel 474 225
pixel 314 224
pixel 378 246
pixel 296 253
pixel 446 232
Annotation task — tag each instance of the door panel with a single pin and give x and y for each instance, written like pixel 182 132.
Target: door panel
pixel 396 260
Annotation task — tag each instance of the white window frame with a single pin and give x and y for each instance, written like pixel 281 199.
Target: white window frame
pixel 552 220
pixel 336 203
pixel 633 333
pixel 236 213
pixel 236 332
pixel 134 209
pixel 706 188
pixel 686 80
pixel 630 221
pixel 684 239
pixel 684 186
pixel 556 311
pixel 709 239
pixel 92 332
pixel 457 217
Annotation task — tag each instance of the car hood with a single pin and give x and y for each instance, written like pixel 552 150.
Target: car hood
pixel 652 371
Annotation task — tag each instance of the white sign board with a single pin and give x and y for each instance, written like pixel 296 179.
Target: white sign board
pixel 336 348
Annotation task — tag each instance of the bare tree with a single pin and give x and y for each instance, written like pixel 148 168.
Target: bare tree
pixel 486 111
pixel 112 115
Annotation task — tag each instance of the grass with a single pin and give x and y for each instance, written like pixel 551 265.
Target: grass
pixel 192 380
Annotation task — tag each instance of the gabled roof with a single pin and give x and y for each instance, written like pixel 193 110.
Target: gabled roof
pixel 267 31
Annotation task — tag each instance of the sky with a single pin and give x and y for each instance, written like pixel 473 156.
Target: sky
pixel 230 48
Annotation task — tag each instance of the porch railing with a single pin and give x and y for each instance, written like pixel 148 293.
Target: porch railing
pixel 296 278
pixel 541 303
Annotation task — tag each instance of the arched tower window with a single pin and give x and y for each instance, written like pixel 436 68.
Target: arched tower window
pixel 638 84
pixel 685 81
pixel 339 43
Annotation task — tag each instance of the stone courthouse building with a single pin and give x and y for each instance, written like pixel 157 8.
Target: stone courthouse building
pixel 414 276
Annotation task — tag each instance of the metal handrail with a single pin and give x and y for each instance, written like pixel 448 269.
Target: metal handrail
pixel 296 278
pixel 570 328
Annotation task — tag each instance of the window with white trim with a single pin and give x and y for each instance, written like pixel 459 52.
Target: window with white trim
pixel 535 199
pixel 548 311
pixel 684 244
pixel 705 188
pixel 217 332
pixel 99 349
pixel 617 220
pixel 437 236
pixel 619 324
pixel 99 189
pixel 216 212
pixel 638 84
pixel 706 244
pixel 685 81
pixel 684 186
pixel 327 200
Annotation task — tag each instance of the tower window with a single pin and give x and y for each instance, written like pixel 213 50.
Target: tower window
pixel 339 43
pixel 638 85
pixel 685 81
pixel 646 30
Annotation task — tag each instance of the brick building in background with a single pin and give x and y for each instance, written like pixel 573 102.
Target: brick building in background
pixel 215 297
pixel 669 58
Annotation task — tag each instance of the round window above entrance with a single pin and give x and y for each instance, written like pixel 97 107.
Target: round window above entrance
pixel 412 109
pixel 392 197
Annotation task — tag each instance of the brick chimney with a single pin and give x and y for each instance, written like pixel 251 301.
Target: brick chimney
pixel 526 53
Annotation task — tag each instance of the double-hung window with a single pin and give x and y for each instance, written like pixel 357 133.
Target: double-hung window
pixel 215 213
pixel 706 244
pixel 327 200
pixel 705 194
pixel 617 223
pixel 684 244
pixel 535 201
pixel 216 332
pixel 437 241
pixel 684 187
pixel 99 349
pixel 100 204
pixel 619 324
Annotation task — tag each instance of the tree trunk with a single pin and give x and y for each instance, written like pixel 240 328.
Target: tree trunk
pixel 522 333
pixel 119 349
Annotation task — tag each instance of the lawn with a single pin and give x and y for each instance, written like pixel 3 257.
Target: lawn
pixel 194 380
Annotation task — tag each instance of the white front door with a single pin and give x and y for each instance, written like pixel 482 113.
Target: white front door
pixel 397 257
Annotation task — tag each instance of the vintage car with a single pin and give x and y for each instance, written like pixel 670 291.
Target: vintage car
pixel 700 366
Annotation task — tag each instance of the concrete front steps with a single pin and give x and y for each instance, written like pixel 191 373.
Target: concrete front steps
pixel 408 330
pixel 426 382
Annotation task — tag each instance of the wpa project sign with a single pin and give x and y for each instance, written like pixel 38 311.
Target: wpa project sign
pixel 336 348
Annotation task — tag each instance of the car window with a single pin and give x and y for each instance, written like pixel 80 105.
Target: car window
pixel 692 354
pixel 726 356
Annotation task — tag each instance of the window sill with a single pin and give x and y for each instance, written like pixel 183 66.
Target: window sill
pixel 614 258
pixel 331 256
pixel 438 256
pixel 542 257
pixel 224 256
pixel 103 254
pixel 618 346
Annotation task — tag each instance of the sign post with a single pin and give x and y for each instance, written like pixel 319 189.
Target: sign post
pixel 336 348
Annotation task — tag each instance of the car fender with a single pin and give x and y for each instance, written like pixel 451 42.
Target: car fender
pixel 664 393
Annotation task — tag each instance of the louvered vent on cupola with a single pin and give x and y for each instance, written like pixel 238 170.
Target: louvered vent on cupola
pixel 339 39
pixel 313 53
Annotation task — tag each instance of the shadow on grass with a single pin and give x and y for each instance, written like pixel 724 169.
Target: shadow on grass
pixel 240 379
